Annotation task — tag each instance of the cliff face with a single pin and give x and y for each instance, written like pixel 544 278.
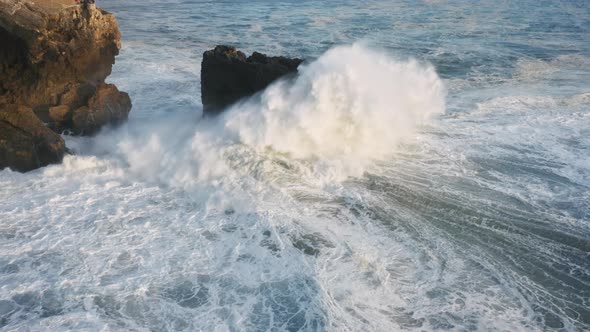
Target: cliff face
pixel 227 75
pixel 48 50
pixel 54 58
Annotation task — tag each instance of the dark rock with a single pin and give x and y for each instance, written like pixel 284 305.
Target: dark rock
pixel 227 75
pixel 25 142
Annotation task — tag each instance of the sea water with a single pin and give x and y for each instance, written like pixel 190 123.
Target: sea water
pixel 428 170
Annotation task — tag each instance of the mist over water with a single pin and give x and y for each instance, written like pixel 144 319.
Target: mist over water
pixel 352 103
pixel 428 170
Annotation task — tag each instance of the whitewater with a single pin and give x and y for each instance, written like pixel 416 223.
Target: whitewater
pixel 427 170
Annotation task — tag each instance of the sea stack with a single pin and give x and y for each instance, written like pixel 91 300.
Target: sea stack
pixel 54 59
pixel 227 75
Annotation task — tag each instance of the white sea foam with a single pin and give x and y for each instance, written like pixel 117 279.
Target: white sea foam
pixel 533 69
pixel 352 103
pixel 242 222
pixel 345 110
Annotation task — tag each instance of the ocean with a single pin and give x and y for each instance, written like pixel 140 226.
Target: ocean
pixel 428 170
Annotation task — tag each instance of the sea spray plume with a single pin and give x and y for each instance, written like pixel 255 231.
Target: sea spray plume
pixel 348 108
pixel 352 104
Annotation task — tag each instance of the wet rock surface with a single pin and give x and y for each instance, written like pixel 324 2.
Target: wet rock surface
pixel 227 75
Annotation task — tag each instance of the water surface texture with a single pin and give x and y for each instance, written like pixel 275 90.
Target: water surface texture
pixel 429 170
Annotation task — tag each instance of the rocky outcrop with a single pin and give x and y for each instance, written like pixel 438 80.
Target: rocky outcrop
pixel 25 142
pixel 107 105
pixel 54 59
pixel 227 75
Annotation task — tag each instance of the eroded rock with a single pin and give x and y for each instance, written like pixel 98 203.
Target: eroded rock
pixel 54 59
pixel 227 75
pixel 107 106
pixel 77 95
pixel 25 142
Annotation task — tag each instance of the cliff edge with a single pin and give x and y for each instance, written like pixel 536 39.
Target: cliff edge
pixel 54 59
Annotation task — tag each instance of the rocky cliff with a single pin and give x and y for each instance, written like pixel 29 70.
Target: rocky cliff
pixel 25 142
pixel 54 58
pixel 227 75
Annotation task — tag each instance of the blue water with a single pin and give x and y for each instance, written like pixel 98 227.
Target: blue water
pixel 430 171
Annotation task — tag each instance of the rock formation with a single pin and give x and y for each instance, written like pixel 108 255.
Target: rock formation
pixel 227 75
pixel 25 142
pixel 54 58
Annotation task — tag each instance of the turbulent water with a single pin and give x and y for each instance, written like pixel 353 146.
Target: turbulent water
pixel 428 170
